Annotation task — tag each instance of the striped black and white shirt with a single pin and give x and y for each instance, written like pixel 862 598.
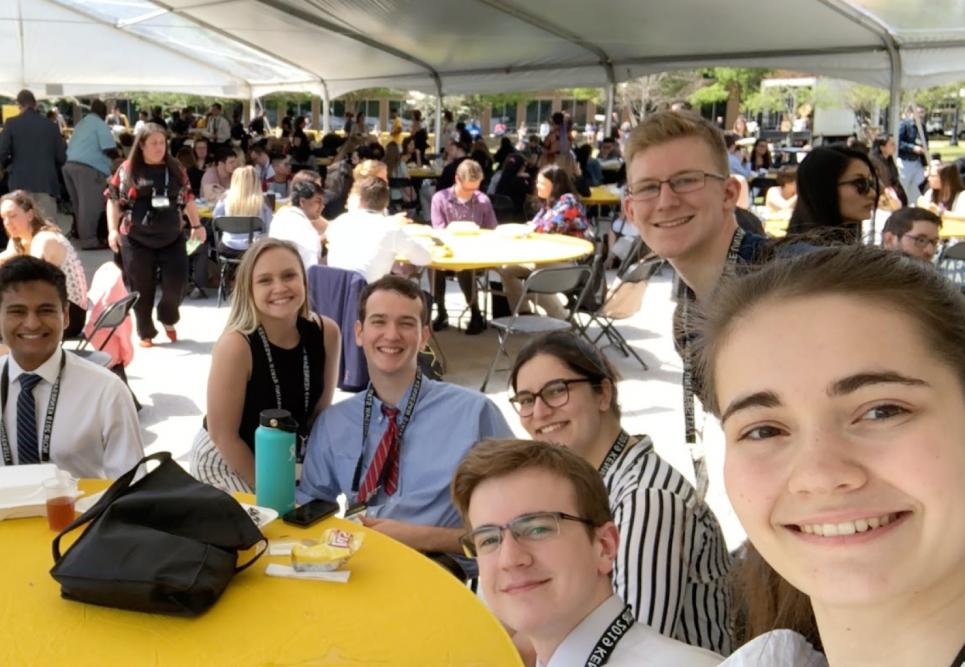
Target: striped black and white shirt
pixel 672 566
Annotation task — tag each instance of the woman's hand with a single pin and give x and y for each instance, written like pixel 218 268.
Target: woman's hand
pixel 114 240
pixel 198 234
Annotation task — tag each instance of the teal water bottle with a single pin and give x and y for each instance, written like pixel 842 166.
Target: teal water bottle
pixel 275 460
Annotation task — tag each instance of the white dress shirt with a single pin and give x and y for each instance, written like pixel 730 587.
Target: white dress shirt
pixel 368 242
pixel 640 646
pixel 777 648
pixel 291 224
pixel 95 432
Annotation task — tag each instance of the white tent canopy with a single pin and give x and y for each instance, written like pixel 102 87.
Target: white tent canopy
pixel 245 48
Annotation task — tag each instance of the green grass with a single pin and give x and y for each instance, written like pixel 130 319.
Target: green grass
pixel 948 153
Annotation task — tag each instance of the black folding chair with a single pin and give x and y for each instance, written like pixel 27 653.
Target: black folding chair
pixel 621 302
pixel 109 319
pixel 229 261
pixel 552 280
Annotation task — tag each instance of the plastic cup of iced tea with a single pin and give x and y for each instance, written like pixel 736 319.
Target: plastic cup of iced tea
pixel 61 494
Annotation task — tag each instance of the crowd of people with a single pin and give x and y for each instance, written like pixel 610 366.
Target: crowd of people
pixel 835 370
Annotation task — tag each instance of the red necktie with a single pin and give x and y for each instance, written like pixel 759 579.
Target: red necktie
pixel 387 454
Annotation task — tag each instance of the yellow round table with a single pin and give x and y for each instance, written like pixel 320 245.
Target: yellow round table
pixel 489 248
pixel 398 608
pixel 601 195
pixel 952 227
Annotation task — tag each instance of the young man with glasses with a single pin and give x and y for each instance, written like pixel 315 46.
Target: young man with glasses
pixel 539 525
pixel 913 231
pixel 682 198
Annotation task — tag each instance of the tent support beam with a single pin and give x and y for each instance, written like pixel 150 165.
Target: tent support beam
pixel 611 91
pixel 147 40
pixel 438 117
pixel 233 38
pixel 541 23
pixel 326 110
pixel 319 22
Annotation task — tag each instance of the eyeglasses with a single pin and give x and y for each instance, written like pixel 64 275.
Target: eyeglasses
pixel 554 393
pixel 525 528
pixel 922 241
pixel 863 184
pixel 682 183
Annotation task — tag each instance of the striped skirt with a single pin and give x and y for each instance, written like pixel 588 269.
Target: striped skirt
pixel 208 466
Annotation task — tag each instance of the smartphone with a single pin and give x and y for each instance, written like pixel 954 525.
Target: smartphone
pixel 354 510
pixel 310 513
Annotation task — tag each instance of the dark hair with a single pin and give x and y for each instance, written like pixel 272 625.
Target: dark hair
pixel 765 160
pixel 562 184
pixel 373 193
pixel 786 174
pixel 303 190
pixel 136 160
pixel 399 285
pixel 258 149
pixel 216 105
pixel 98 107
pixel 492 459
pixel 817 187
pixel 576 354
pixel 901 221
pixel 730 139
pixel 557 118
pixel 26 269
pixel 223 154
pixel 511 166
pixel 25 98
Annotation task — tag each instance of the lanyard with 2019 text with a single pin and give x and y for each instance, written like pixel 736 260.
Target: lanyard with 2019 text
pixel 615 450
pixel 367 418
pixel 48 419
pixel 690 427
pixel 306 375
pixel 608 641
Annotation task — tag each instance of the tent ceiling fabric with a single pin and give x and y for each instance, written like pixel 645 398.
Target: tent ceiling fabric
pixel 241 48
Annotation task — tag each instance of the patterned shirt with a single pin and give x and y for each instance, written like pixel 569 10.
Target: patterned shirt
pixel 567 216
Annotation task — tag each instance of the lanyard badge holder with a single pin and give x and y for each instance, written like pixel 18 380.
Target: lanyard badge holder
pixel 162 201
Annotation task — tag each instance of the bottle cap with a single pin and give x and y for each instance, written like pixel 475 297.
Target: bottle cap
pixel 280 419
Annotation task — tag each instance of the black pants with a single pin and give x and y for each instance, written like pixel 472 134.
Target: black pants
pixel 78 318
pixel 141 265
pixel 466 284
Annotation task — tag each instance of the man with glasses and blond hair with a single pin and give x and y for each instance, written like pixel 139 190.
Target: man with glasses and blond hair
pixel 540 529
pixel 682 198
pixel 913 231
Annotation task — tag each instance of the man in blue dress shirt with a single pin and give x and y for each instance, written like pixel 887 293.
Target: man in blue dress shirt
pixel 399 464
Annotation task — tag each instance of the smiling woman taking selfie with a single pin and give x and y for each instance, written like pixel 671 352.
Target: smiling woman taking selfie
pixel 672 566
pixel 845 448
pixel 274 353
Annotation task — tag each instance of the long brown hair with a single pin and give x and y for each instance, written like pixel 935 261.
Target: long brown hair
pixel 38 224
pixel 870 274
pixel 136 159
pixel 951 185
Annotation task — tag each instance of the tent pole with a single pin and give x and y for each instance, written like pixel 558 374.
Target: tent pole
pixel 894 108
pixel 438 116
pixel 610 94
pixel 326 110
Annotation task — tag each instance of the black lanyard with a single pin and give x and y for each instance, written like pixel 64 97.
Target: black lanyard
pixel 690 428
pixel 48 419
pixel 367 418
pixel 306 376
pixel 959 660
pixel 615 450
pixel 608 641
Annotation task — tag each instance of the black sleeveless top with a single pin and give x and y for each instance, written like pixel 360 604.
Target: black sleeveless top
pixel 260 391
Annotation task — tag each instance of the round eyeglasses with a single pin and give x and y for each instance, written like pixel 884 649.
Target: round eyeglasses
pixel 554 393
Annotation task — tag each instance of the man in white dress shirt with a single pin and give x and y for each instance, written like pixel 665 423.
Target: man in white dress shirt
pixel 367 241
pixel 57 407
pixel 540 528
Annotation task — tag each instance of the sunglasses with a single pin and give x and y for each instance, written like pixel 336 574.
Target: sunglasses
pixel 863 184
